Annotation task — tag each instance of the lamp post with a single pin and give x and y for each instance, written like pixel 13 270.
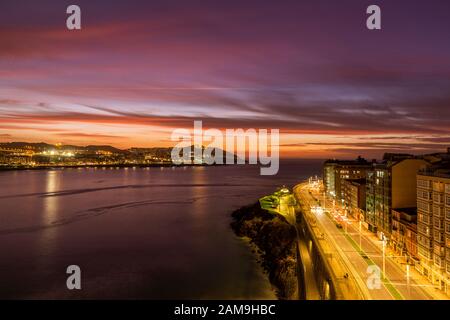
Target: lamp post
pixel 384 258
pixel 407 279
pixel 360 232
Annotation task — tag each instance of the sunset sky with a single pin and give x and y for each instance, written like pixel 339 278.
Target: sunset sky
pixel 139 69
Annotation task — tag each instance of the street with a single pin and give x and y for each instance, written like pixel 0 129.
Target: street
pixel 359 251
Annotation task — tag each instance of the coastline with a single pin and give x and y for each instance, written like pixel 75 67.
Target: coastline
pixel 151 165
pixel 272 240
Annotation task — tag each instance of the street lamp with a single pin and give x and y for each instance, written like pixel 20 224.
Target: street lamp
pixel 407 279
pixel 384 257
pixel 360 233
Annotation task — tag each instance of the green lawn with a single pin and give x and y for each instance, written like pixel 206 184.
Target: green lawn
pixel 270 202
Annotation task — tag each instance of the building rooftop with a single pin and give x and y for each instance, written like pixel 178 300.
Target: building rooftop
pixel 396 156
pixel 360 181
pixel 357 161
pixel 408 216
pixel 412 211
pixel 441 170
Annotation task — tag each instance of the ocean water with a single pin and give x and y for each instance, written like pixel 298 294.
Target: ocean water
pixel 143 233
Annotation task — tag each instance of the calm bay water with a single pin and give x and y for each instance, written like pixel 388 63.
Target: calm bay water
pixel 147 233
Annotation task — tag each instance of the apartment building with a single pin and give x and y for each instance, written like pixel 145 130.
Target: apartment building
pixel 329 176
pixel 355 197
pixel 336 172
pixel 390 185
pixel 433 225
pixel 404 232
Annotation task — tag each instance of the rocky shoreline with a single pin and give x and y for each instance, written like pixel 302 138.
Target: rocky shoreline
pixel 275 242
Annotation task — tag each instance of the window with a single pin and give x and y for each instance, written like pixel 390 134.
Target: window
pixel 438 249
pixel 436 234
pixel 423 183
pixel 437 197
pixel 437 223
pixel 424 241
pixel 425 207
pixel 421 194
pixel 424 252
pixel 424 229
pixel 438 211
pixel 423 218
pixel 438 261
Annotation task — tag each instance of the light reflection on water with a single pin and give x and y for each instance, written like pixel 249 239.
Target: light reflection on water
pixel 51 208
pixel 142 233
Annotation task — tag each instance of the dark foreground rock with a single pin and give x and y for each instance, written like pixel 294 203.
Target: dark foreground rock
pixel 275 240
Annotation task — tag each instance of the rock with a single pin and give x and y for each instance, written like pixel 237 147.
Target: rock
pixel 275 240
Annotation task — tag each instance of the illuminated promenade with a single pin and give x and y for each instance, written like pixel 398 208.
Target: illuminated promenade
pixel 283 203
pixel 351 250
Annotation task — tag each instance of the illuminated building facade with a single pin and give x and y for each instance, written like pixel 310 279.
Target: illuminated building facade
pixel 404 232
pixel 355 197
pixel 336 172
pixel 390 185
pixel 433 204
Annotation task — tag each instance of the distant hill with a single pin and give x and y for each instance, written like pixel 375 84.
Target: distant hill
pixel 166 152
pixel 40 146
pixel 34 146
pixel 158 152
